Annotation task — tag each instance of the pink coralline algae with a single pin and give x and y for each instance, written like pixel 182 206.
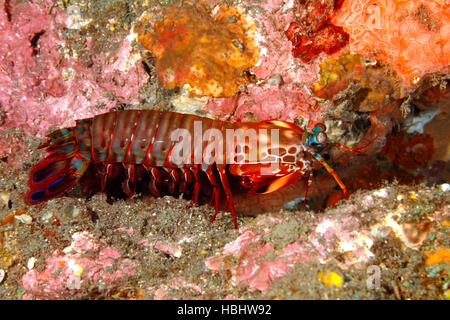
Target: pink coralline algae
pixel 259 264
pixel 11 147
pixel 86 262
pixel 175 284
pixel 254 105
pixel 257 269
pixel 255 261
pixel 41 85
pixel 173 249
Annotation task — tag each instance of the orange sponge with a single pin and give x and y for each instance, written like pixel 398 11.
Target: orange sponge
pixel 412 35
pixel 209 50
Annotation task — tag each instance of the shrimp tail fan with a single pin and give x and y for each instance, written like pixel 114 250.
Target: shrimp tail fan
pixel 59 170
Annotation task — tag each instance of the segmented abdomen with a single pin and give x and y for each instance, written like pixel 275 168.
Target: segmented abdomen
pixel 137 136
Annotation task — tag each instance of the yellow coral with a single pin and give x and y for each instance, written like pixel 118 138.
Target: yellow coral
pixel 330 278
pixel 438 256
pixel 378 84
pixel 447 294
pixel 207 50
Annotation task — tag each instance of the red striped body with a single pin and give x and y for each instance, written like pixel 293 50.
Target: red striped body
pixel 170 151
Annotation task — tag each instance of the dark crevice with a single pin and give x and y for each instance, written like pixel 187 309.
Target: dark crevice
pixel 34 42
pixel 7 7
pixel 147 68
pixel 94 216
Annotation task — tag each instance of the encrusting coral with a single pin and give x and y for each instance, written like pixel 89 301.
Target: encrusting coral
pixel 413 36
pixel 210 51
pixel 377 85
pixel 312 32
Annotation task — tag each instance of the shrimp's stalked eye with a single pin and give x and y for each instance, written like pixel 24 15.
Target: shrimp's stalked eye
pixel 319 127
pixel 321 137
pixel 318 137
